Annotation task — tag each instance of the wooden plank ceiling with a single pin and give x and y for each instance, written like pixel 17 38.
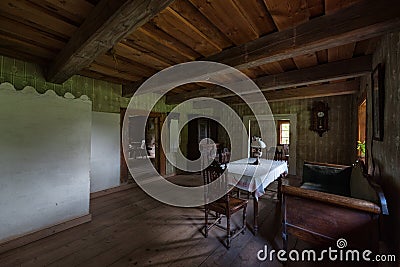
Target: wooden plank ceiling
pixel 187 30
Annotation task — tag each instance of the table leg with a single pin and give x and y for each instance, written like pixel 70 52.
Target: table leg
pixel 280 188
pixel 255 205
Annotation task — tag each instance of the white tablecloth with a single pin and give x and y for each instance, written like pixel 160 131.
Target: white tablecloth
pixel 254 178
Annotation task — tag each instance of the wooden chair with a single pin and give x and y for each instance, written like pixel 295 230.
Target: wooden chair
pixel 225 206
pixel 279 152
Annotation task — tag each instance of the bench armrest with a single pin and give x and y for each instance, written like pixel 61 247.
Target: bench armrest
pixel 342 201
pixel 381 196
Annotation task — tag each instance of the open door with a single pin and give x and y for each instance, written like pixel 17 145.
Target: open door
pixel 143 145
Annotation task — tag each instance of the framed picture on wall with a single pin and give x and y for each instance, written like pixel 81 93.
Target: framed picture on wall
pixel 377 102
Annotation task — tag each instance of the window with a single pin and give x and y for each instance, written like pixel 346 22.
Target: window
pixel 284 132
pixel 362 120
pixel 362 128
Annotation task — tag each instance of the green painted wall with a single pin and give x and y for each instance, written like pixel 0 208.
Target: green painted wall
pixel 105 96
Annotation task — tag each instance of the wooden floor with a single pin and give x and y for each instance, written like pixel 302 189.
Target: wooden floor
pixel 130 228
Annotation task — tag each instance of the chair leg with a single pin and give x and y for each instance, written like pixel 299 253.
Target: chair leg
pixel 206 222
pixel 244 219
pixel 228 230
pixel 285 238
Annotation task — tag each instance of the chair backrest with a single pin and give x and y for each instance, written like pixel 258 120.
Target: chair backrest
pixel 215 174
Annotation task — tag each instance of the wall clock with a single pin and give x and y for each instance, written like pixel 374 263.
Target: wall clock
pixel 319 117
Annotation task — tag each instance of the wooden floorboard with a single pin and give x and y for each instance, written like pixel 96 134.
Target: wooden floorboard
pixel 129 228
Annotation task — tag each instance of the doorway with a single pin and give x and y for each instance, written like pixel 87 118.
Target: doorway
pixel 199 129
pixel 292 120
pixel 143 145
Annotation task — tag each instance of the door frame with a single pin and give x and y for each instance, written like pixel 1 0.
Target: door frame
pixel 124 171
pixel 293 134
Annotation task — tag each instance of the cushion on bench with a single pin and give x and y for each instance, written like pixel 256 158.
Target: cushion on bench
pixel 360 187
pixel 327 179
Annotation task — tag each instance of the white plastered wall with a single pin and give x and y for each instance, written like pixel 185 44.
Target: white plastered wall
pixel 105 152
pixel 44 159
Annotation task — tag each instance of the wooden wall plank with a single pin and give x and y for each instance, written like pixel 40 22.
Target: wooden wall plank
pixel 309 144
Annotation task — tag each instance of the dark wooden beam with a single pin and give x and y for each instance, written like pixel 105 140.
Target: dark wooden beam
pixel 361 21
pixel 106 25
pixel 364 20
pixel 344 69
pixel 350 68
pixel 322 90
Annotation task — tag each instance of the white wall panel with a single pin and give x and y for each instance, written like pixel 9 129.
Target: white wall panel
pixel 44 159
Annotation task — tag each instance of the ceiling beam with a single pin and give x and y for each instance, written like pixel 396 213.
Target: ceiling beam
pixel 364 20
pixel 106 25
pixel 345 69
pixel 322 90
pixel 361 21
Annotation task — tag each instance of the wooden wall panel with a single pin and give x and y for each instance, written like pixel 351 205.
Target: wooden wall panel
pixel 384 156
pixel 105 96
pixel 338 145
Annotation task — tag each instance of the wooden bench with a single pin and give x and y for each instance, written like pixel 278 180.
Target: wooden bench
pixel 322 217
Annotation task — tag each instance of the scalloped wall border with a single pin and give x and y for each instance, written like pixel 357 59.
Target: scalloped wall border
pixel 8 87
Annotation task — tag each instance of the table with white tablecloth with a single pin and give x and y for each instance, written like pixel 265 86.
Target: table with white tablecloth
pixel 255 178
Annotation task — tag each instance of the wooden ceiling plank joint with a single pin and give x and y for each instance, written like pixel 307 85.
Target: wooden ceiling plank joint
pixel 345 27
pixel 107 24
pixel 334 71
